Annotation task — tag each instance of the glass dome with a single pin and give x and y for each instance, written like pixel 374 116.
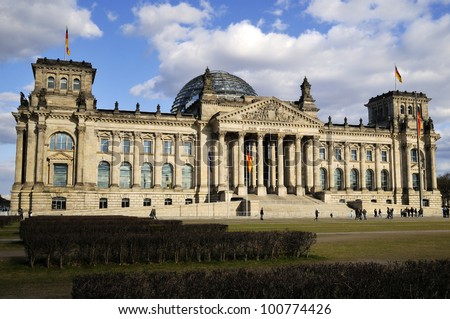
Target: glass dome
pixel 225 85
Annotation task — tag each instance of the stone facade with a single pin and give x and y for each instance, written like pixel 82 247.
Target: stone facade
pixel 75 158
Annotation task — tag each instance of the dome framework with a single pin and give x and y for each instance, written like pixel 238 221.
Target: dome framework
pixel 225 85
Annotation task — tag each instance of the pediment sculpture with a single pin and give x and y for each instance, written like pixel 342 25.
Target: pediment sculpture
pixel 270 112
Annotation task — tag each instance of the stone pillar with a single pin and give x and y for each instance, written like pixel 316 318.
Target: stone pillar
pixel 433 167
pixel 281 189
pixel 31 153
pixel 408 165
pixel 261 190
pixel 115 160
pixel 362 167
pixel 299 191
pixel 221 162
pixel 242 188
pixel 378 166
pixel 136 160
pixel 330 166
pixel 19 156
pixel 81 130
pixel 309 166
pixel 316 166
pixel 347 166
pixel 178 163
pixel 273 167
pixel 235 168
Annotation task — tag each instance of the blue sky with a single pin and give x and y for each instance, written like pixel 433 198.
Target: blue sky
pixel 145 51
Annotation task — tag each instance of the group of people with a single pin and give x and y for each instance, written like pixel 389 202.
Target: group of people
pixel 411 212
pixel 445 211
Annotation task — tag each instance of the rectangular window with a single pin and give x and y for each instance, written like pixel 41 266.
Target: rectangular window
pixel 125 202
pixel 104 145
pixel 148 147
pixel 414 155
pixel 167 150
pixel 369 155
pixel 60 175
pixel 384 156
pixel 126 146
pixel 322 153
pixel 168 201
pixel 59 203
pixel 354 155
pixel 103 203
pixel 338 154
pixel 188 148
pixel 188 201
pixel 147 202
pixel 415 181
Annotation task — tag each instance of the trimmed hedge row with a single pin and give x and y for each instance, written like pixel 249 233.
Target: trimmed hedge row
pixel 411 280
pixel 85 240
pixel 8 220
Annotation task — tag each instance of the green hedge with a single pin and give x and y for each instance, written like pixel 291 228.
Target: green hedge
pixel 8 220
pixel 86 240
pixel 411 280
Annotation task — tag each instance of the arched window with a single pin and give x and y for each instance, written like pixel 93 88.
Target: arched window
pixel 354 180
pixel 103 177
pixel 338 179
pixel 63 84
pixel 167 176
pixel 402 109
pixel 384 180
pixel 50 82
pixel 125 175
pixel 187 173
pixel 410 110
pixel 414 155
pixel 323 178
pixel 369 179
pixel 61 141
pixel 76 85
pixel 146 175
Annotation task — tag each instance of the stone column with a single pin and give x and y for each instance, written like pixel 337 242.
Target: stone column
pixel 31 153
pixel 316 166
pixel 157 167
pixel 378 166
pixel 221 162
pixel 330 166
pixel 433 167
pixel 362 167
pixel 242 188
pixel 273 167
pixel 136 160
pixel 235 164
pixel 347 166
pixel 281 189
pixel 115 160
pixel 408 165
pixel 178 162
pixel 299 191
pixel 81 130
pixel 19 156
pixel 261 190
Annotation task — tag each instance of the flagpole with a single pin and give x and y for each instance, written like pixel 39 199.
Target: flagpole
pixel 418 149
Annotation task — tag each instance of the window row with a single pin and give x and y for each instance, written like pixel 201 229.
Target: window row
pixel 355 183
pixel 60 203
pixel 353 155
pixel 63 83
pixel 147 176
pixel 147 147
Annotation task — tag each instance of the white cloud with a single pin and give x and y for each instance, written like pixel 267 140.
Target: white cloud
pixel 278 25
pixel 40 24
pixel 112 16
pixel 7 129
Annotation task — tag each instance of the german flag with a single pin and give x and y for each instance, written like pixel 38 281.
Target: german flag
pixel 67 42
pixel 249 162
pixel 397 75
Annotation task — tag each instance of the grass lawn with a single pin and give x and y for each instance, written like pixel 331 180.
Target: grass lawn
pixel 338 240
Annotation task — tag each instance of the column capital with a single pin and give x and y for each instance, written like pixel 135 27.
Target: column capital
pixel 20 129
pixel 41 128
pixel 222 134
pixel 81 129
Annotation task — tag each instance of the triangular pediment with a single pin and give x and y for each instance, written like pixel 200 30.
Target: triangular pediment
pixel 60 156
pixel 270 110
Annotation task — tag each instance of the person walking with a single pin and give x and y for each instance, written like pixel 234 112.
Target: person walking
pixel 261 214
pixel 316 214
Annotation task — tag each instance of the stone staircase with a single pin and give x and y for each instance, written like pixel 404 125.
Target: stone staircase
pixel 292 206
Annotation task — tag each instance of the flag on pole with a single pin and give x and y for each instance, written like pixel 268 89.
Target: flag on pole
pixel 419 123
pixel 67 42
pixel 249 162
pixel 397 75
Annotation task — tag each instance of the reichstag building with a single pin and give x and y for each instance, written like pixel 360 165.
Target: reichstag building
pixel 223 150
